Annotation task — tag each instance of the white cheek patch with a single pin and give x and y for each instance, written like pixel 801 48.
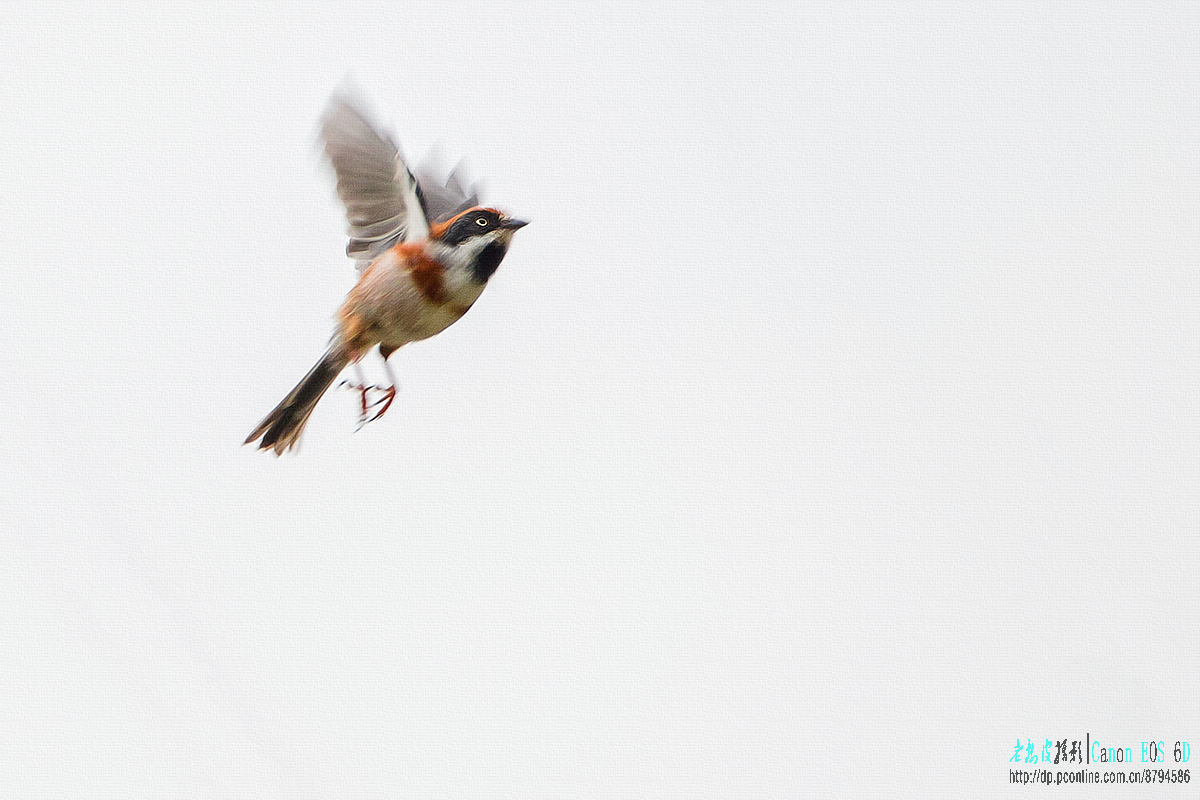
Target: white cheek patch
pixel 468 251
pixel 460 263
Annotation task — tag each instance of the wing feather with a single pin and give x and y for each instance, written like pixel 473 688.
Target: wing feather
pixel 382 198
pixel 448 198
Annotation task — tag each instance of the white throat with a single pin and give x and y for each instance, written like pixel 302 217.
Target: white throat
pixel 460 260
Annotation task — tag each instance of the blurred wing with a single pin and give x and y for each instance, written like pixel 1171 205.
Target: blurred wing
pixel 447 199
pixel 382 199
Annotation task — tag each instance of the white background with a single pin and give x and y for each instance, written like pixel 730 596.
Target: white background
pixel 832 427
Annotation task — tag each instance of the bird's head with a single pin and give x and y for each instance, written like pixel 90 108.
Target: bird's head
pixel 478 237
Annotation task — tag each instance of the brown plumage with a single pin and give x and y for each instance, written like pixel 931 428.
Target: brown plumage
pixel 412 291
pixel 421 270
pixel 427 273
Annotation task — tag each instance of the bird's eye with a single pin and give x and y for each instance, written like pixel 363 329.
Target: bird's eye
pixel 481 222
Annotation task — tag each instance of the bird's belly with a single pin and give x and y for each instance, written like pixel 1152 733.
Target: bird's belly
pixel 422 317
pixel 398 310
pixel 415 321
pixel 432 320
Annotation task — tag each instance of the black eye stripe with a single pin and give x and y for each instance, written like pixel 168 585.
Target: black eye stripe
pixel 469 226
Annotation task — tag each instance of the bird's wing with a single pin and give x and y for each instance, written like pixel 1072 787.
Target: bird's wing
pixel 382 199
pixel 445 199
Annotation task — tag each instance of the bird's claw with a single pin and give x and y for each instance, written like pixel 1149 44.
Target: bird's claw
pixel 382 403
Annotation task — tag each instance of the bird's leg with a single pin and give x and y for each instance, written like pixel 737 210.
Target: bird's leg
pixel 389 394
pixel 362 393
pixel 362 389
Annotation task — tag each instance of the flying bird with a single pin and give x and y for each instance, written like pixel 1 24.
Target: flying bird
pixel 425 251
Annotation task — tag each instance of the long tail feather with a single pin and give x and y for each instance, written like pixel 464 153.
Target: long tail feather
pixel 280 430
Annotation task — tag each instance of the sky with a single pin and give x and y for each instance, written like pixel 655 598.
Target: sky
pixel 831 428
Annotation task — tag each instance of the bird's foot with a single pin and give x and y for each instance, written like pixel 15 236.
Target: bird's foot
pixel 379 405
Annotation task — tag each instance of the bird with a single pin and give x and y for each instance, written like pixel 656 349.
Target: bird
pixel 425 249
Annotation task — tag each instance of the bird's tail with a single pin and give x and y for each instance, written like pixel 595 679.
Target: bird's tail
pixel 280 430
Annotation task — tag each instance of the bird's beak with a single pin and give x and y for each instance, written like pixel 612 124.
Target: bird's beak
pixel 512 223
